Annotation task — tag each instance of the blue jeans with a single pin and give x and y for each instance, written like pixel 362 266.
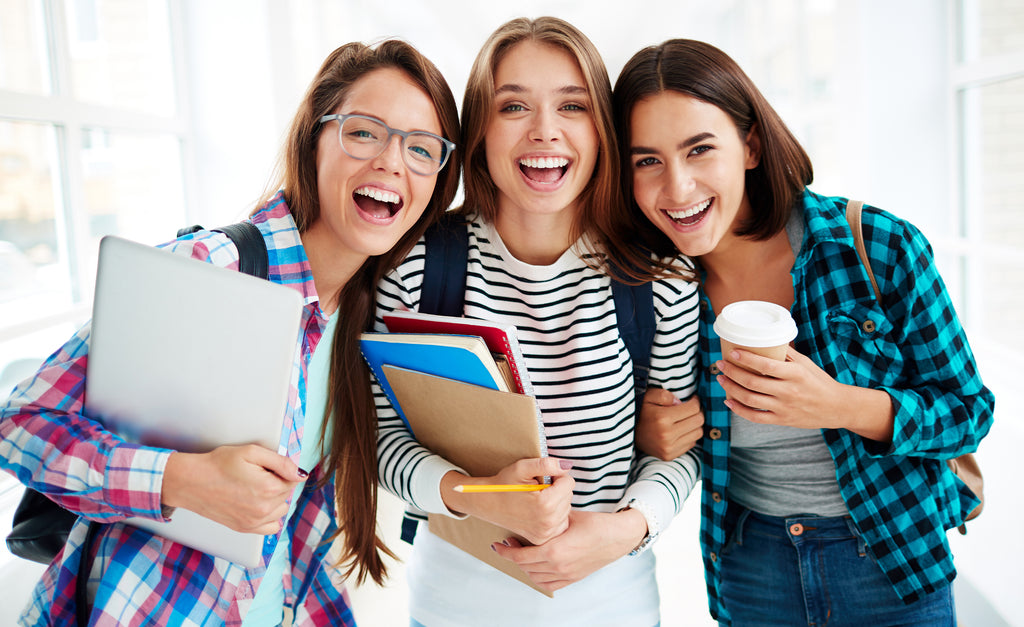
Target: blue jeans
pixel 813 571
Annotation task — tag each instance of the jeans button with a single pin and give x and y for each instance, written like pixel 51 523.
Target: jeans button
pixel 796 529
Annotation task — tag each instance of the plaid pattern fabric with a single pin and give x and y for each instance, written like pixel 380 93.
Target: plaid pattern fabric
pixel 900 495
pixel 53 446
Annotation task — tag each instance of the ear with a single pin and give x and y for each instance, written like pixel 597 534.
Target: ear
pixel 753 147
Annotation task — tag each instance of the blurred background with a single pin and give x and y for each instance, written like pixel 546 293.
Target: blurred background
pixel 136 117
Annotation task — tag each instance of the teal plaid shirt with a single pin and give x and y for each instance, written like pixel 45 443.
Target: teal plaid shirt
pixel 901 495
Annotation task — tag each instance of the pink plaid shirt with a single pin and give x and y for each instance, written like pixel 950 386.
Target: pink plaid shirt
pixel 137 578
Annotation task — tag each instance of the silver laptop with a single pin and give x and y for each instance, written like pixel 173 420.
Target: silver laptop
pixel 189 356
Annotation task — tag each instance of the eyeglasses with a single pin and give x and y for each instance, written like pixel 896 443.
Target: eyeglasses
pixel 363 137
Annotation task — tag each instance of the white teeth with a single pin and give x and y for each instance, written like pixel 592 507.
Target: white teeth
pixel 544 162
pixel 686 213
pixel 379 195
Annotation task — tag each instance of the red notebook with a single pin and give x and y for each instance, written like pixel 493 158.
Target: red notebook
pixel 500 338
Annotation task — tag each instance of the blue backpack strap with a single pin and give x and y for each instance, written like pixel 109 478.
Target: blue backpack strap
pixel 634 314
pixel 444 289
pixel 444 267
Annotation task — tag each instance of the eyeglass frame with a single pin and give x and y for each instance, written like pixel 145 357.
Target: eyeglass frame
pixel 341 117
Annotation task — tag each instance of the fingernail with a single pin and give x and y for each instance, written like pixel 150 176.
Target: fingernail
pixel 564 464
pixel 676 401
pixel 303 473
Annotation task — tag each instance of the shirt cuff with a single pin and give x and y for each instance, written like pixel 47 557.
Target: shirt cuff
pixel 426 485
pixel 656 506
pixel 133 481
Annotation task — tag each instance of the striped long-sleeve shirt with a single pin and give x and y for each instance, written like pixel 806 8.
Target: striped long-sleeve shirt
pixel 51 444
pixel 580 370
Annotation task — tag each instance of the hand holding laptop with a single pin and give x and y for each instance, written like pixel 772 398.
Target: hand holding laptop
pixel 245 488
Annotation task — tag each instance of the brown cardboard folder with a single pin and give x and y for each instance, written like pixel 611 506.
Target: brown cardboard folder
pixel 478 429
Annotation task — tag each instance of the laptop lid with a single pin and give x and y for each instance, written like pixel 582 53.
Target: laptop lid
pixel 189 356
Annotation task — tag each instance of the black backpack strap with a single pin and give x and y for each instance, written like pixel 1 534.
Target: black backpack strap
pixel 634 314
pixel 252 249
pixel 444 267
pixel 443 291
pixel 247 238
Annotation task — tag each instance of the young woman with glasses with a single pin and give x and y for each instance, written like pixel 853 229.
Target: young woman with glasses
pixel 365 170
pixel 826 494
pixel 541 183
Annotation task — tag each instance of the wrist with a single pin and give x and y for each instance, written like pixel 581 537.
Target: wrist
pixel 175 481
pixel 650 525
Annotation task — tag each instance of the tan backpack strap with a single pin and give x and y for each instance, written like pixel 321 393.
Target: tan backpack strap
pixel 853 211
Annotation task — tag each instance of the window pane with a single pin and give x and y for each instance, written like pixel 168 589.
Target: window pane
pixel 33 269
pixel 1002 296
pixel 24 65
pixel 991 28
pixel 1001 120
pixel 133 188
pixel 121 54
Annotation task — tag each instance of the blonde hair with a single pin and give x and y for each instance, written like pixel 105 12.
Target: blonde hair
pixel 602 196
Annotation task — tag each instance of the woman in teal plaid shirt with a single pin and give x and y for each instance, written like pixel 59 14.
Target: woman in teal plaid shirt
pixel 826 495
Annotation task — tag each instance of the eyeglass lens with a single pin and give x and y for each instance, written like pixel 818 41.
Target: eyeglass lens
pixel 363 138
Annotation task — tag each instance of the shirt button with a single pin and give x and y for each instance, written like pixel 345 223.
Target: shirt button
pixel 715 434
pixel 796 529
pixel 716 497
pixel 868 326
pixel 714 557
pixel 703 305
pixel 713 369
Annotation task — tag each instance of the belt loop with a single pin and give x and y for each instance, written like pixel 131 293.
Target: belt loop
pixel 737 535
pixel 862 547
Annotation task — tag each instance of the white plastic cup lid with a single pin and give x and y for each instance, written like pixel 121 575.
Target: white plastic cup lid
pixel 756 324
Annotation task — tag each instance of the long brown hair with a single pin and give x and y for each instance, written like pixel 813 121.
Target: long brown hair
pixel 700 70
pixel 602 198
pixel 350 412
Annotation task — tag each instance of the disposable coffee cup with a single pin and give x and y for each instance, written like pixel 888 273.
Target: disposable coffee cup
pixel 756 326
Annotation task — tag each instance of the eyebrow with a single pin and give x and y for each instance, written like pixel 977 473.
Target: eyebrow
pixel 513 88
pixel 687 143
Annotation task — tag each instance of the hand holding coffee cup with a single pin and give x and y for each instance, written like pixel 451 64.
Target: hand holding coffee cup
pixel 757 326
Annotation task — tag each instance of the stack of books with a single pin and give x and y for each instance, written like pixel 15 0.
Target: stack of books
pixel 462 388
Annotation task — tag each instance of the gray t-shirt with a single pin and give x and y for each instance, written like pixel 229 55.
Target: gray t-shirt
pixel 782 471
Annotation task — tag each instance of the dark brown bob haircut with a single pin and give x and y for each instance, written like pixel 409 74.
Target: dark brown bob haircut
pixel 704 72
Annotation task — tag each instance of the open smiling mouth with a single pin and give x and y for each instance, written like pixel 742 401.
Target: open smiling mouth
pixel 544 169
pixel 693 215
pixel 377 203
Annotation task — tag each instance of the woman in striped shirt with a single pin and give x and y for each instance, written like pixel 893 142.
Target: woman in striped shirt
pixel 541 179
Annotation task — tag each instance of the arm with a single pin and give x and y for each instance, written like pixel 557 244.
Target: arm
pixel 50 444
pixel 668 427
pixel 928 401
pixel 657 489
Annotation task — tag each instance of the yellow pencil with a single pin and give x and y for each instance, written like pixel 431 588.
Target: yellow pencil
pixel 517 487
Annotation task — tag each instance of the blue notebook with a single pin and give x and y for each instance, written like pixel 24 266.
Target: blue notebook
pixel 464 358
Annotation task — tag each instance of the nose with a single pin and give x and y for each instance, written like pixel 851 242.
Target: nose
pixel 390 159
pixel 545 127
pixel 680 183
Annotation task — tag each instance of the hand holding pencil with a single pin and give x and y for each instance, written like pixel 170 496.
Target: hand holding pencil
pixel 515 498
